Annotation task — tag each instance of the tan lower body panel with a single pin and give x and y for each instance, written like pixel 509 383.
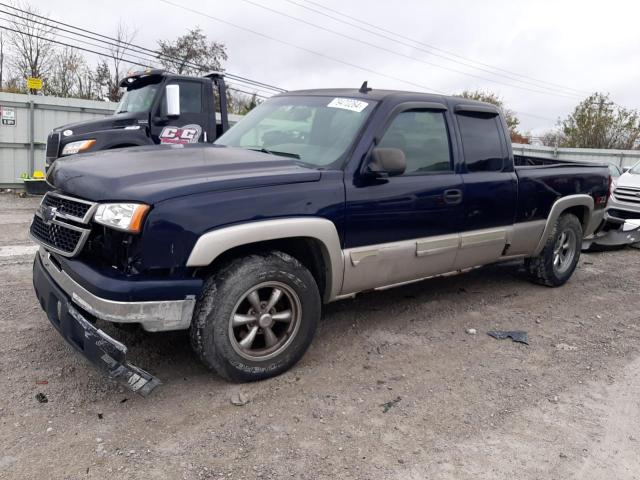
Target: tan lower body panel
pixel 397 262
pixel 376 266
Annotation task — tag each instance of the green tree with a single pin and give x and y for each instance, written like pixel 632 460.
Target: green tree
pixel 598 122
pixel 510 116
pixel 192 54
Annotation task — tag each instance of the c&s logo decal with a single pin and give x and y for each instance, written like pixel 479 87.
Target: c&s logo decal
pixel 181 135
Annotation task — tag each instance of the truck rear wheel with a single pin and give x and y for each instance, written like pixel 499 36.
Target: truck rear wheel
pixel 256 317
pixel 558 259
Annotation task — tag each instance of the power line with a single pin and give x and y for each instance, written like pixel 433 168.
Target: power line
pixel 151 64
pixel 233 89
pixel 466 62
pixel 378 28
pixel 409 57
pixel 125 45
pixel 129 50
pixel 122 46
pixel 124 59
pixel 308 50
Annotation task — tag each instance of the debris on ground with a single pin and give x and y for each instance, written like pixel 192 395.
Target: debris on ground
pixel 471 331
pixel 41 397
pixel 519 336
pixel 566 347
pixel 42 382
pixel 239 399
pixel 387 406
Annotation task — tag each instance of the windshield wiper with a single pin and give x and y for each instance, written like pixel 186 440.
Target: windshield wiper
pixel 275 152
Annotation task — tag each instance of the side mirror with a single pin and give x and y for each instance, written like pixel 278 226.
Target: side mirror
pixel 389 161
pixel 173 100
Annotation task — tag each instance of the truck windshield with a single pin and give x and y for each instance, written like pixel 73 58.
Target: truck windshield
pixel 138 99
pixel 635 169
pixel 316 130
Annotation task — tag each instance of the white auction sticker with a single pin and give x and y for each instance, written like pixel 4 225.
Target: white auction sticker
pixel 348 104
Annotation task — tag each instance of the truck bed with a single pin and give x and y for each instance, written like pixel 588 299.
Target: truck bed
pixel 542 181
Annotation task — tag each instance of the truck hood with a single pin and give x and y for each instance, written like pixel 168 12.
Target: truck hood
pixel 106 123
pixel 155 173
pixel 628 179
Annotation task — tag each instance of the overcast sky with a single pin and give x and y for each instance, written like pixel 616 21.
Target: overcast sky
pixel 573 47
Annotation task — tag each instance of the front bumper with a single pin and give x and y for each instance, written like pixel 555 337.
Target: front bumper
pixel 153 316
pixel 105 352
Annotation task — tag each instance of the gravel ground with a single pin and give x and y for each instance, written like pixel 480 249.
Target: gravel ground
pixel 392 388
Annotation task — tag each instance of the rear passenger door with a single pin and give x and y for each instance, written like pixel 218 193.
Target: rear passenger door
pixel 490 185
pixel 405 227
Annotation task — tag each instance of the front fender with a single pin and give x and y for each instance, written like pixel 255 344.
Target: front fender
pixel 214 243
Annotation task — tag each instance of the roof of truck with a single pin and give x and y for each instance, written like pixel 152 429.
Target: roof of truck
pixel 377 94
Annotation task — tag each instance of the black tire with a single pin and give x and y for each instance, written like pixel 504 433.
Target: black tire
pixel 543 269
pixel 212 334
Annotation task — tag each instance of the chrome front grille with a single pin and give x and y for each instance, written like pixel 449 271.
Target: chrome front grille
pixel 69 208
pixel 61 223
pixel 627 194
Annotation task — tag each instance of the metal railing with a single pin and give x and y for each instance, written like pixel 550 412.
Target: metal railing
pixel 622 158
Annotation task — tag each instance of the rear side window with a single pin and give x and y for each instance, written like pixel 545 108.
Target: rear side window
pixel 481 142
pixel 422 136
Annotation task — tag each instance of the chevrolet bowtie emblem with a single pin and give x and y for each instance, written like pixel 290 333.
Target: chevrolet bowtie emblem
pixel 48 214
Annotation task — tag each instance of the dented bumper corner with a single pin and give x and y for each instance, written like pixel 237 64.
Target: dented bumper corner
pixel 619 232
pixel 108 354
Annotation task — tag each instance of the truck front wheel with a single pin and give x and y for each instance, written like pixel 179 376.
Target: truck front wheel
pixel 256 316
pixel 558 259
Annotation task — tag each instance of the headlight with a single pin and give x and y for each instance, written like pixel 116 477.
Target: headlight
pixel 77 147
pixel 127 217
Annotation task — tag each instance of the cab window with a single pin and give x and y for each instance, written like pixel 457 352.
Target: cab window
pixel 481 142
pixel 422 136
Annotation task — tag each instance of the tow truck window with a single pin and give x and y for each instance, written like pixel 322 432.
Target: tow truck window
pixel 314 130
pixel 190 97
pixel 138 99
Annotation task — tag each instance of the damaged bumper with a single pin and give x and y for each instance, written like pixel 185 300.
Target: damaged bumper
pixel 106 353
pixel 153 316
pixel 618 231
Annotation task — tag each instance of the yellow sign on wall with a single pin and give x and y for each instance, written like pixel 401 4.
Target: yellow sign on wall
pixel 34 83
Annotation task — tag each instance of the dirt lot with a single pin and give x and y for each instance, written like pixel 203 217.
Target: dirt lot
pixel 458 405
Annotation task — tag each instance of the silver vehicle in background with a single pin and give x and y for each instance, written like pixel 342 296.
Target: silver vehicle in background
pixel 621 224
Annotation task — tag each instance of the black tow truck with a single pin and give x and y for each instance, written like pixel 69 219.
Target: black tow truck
pixel 157 107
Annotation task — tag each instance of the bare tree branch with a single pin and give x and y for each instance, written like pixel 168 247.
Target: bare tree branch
pixel 33 53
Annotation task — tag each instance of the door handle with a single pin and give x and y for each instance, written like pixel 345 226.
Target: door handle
pixel 452 196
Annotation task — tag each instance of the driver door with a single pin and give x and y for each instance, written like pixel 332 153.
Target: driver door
pixel 406 227
pixel 191 126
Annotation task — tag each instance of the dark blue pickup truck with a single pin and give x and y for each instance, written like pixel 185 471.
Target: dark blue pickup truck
pixel 313 197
